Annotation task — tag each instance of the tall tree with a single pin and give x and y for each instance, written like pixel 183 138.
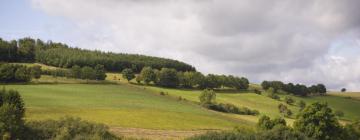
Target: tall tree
pixel 147 74
pixel 76 71
pixel 168 78
pixel 100 73
pixel 128 74
pixel 88 73
pixel 27 49
pixel 318 121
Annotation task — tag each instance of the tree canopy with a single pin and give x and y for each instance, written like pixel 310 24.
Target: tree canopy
pixel 318 121
pixel 61 55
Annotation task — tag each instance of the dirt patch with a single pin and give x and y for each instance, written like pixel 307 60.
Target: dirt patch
pixel 152 134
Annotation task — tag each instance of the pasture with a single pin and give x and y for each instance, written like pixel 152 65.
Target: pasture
pixel 119 106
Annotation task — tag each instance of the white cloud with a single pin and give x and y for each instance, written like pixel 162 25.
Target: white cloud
pixel 261 39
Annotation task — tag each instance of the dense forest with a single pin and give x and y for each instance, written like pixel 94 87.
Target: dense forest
pixel 61 55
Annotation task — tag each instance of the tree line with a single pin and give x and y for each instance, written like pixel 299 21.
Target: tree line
pixel 61 55
pixel 167 77
pixel 88 73
pixel 18 73
pixel 296 89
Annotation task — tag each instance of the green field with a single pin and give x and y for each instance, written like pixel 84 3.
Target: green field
pixel 119 106
pixel 268 106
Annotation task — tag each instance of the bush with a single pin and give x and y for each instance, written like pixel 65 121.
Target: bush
pixel 265 123
pixel 14 73
pixel 11 114
pixel 352 131
pixel 272 95
pixel 207 97
pixel 230 108
pixel 256 91
pixel 284 110
pixel 289 100
pixel 67 128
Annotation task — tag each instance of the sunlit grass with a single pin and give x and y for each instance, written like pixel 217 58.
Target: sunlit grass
pixel 119 105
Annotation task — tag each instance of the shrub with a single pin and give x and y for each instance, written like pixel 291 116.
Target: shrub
pixel 352 131
pixel 207 97
pixel 230 108
pixel 67 128
pixel 284 110
pixel 301 104
pixel 272 95
pixel 11 114
pixel 289 100
pixel 265 123
pixel 256 91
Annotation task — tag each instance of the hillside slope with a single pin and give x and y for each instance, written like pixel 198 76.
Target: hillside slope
pixel 120 106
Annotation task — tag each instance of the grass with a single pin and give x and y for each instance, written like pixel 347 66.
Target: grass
pixel 348 95
pixel 47 79
pixel 119 106
pixel 268 106
pixel 117 103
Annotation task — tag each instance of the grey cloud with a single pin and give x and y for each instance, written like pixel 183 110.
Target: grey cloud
pixel 261 39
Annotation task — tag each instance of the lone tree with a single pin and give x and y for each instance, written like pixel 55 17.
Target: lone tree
pixel 128 74
pixel 207 97
pixel 147 74
pixel 317 121
pixel 343 90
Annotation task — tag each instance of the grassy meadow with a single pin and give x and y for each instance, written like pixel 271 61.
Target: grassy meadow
pixel 119 106
pixel 268 106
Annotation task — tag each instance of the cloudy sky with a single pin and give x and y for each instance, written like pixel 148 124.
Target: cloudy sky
pixel 300 41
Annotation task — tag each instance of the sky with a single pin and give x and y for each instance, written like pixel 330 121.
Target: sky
pixel 299 41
